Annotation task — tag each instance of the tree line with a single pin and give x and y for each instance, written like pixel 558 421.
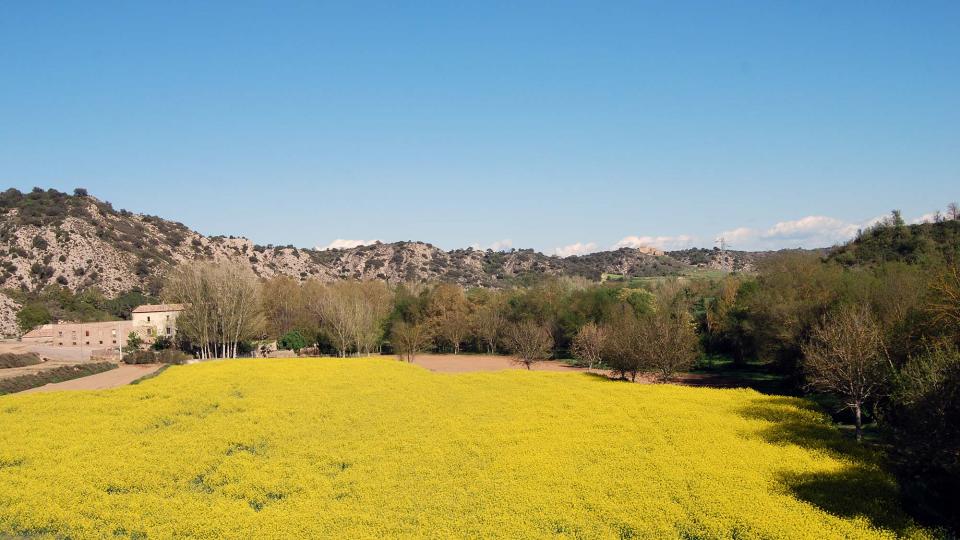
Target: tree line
pixel 874 324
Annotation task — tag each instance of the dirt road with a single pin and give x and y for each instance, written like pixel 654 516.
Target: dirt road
pixel 123 375
pixel 464 363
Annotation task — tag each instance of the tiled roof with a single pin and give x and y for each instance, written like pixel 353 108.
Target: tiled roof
pixel 40 331
pixel 153 308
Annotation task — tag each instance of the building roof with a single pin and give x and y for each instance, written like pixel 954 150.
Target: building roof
pixel 154 308
pixel 45 330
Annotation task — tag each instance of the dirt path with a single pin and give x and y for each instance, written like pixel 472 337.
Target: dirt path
pixel 465 363
pixel 123 375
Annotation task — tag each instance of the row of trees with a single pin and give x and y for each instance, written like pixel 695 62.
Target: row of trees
pixel 627 330
pixel 876 324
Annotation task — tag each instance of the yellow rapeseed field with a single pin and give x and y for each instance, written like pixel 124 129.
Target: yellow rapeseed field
pixel 374 448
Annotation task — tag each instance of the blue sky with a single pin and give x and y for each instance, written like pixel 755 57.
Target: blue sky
pixel 565 126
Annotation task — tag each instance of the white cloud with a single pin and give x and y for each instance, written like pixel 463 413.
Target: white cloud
pixel 926 218
pixel 665 243
pixel 499 245
pixel 577 248
pixel 806 232
pixel 341 243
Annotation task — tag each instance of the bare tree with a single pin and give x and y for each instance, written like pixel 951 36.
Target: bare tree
pixel 668 340
pixel 223 305
pixel 449 314
pixel 588 344
pixel 239 305
pixel 953 211
pixel 488 322
pixel 623 349
pixel 845 356
pixel 282 305
pixel 351 314
pixel 409 339
pixel 529 341
pixel 371 302
pixel 663 341
pixel 188 284
pixel 944 303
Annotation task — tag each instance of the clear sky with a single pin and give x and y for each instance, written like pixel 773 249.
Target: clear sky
pixel 552 125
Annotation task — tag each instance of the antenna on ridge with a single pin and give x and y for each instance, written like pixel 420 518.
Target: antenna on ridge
pixel 723 245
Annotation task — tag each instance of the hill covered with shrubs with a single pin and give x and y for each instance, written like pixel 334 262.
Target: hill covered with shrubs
pixel 55 245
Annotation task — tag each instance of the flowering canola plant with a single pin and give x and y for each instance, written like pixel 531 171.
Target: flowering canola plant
pixel 374 448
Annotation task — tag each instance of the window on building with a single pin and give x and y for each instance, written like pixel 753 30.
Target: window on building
pixel 148 318
pixel 74 342
pixel 114 342
pixel 169 331
pixel 87 333
pixel 88 343
pixel 60 344
pixel 60 333
pixel 101 342
pixel 113 332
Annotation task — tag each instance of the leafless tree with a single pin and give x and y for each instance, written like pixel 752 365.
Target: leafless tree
pixel 409 339
pixel 845 356
pixel 623 349
pixel 351 313
pixel 488 322
pixel 372 302
pixel 944 301
pixel 449 314
pixel 588 344
pixel 282 305
pixel 529 341
pixel 669 340
pixel 223 305
pixel 663 341
pixel 953 211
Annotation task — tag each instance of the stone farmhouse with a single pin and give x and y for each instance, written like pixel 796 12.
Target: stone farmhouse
pixel 148 321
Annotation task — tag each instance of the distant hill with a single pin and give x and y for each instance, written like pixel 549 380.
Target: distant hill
pixel 80 242
pixel 900 242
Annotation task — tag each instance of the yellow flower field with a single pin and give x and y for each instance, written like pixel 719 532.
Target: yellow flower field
pixel 373 448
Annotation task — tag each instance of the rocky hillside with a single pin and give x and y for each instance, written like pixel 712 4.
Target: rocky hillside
pixel 79 242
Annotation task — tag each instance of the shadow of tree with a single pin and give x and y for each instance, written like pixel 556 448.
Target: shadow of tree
pixel 855 491
pixel 860 489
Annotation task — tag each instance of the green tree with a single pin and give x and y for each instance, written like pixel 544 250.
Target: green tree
pixel 162 343
pixel 293 341
pixel 134 341
pixel 32 315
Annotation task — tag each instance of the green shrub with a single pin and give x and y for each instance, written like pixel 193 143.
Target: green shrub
pixel 165 356
pixel 32 315
pixel 134 341
pixel 292 340
pixel 139 357
pixel 172 356
pixel 162 343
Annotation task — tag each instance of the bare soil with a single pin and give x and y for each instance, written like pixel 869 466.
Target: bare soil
pixel 123 375
pixel 465 363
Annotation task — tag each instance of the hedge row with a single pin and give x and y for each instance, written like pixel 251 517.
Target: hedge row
pixel 55 375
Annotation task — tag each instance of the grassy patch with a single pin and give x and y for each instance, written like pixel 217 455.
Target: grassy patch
pixel 722 372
